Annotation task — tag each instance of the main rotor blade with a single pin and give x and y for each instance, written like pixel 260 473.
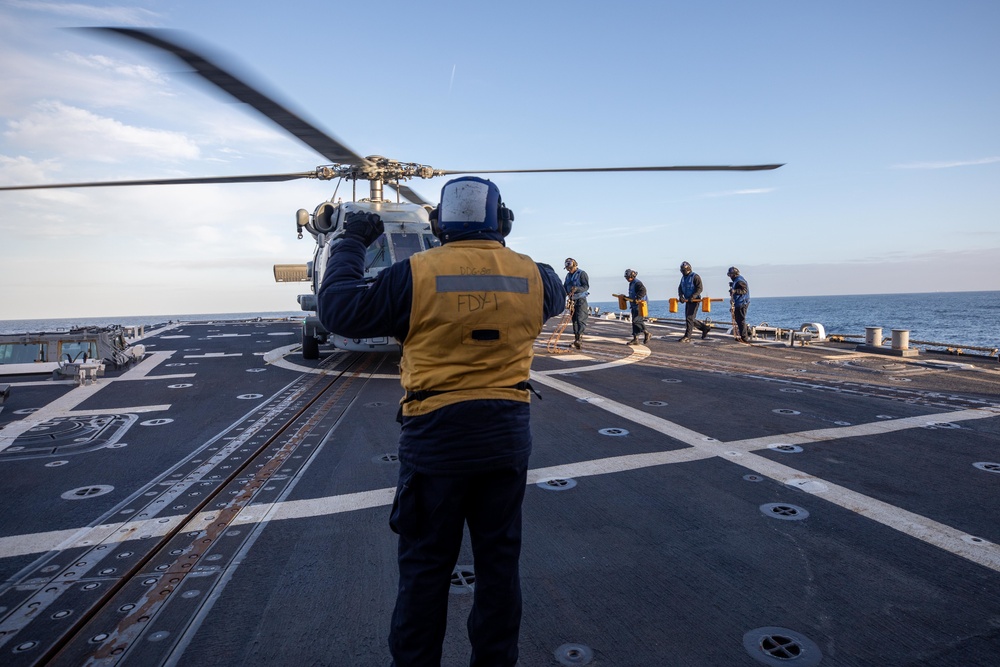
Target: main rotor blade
pixel 321 142
pixel 262 178
pixel 749 167
pixel 409 194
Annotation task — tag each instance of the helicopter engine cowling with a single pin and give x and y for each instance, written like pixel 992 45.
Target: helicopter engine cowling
pixel 325 218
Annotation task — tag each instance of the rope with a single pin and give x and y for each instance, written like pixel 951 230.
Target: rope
pixel 732 315
pixel 552 347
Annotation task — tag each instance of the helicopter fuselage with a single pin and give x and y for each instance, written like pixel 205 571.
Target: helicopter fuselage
pixel 407 231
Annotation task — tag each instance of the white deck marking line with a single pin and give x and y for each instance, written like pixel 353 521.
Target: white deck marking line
pixel 60 407
pixel 276 357
pixel 571 357
pixel 63 406
pixel 871 428
pixel 638 353
pixel 614 464
pixel 981 551
pixel 304 509
pixel 142 369
pixel 41 383
pixel 131 410
pixel 213 355
pixel 628 413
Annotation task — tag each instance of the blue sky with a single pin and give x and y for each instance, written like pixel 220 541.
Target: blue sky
pixel 884 113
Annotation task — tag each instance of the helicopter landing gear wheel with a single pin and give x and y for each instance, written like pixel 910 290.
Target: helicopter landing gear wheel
pixel 310 346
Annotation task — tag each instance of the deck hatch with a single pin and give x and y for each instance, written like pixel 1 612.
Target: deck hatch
pixel 784 511
pixel 87 492
pixel 556 484
pixel 463 579
pixel 785 448
pixel 574 654
pixel 781 646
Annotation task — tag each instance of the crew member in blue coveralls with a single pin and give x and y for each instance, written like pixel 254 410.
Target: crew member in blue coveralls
pixel 467 314
pixel 689 293
pixel 577 284
pixel 636 295
pixel 739 292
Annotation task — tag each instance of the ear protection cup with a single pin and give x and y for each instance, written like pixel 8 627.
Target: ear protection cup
pixel 505 217
pixel 435 230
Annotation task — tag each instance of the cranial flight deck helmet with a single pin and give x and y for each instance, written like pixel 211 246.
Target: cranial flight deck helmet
pixel 732 272
pixel 570 264
pixel 471 208
pixel 630 274
pixel 685 268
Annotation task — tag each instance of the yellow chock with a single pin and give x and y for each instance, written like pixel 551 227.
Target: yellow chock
pixel 706 304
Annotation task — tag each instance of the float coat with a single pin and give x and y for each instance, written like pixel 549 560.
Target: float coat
pixel 483 306
pixel 740 291
pixel 690 286
pixel 576 279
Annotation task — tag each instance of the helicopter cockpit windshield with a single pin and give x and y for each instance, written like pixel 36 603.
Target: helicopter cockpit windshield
pixel 378 256
pixel 395 247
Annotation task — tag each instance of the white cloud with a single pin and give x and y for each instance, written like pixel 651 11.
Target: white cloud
pixel 948 164
pixel 117 67
pixel 73 132
pixel 134 16
pixel 739 193
pixel 22 169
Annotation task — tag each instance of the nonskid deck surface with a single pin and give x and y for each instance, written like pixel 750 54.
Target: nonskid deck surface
pixel 225 502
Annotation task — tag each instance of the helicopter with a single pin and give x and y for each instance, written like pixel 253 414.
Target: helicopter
pixel 406 216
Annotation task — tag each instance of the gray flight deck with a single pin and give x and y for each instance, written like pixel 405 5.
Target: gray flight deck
pixel 224 502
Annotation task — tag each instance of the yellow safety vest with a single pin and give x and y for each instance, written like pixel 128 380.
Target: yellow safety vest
pixel 477 309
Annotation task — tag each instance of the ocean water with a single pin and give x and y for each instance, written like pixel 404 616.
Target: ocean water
pixel 21 326
pixel 955 318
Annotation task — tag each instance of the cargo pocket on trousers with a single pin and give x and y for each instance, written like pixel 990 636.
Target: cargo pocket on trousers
pixel 401 517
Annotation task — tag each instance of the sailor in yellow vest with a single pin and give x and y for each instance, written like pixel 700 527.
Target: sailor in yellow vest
pixel 467 314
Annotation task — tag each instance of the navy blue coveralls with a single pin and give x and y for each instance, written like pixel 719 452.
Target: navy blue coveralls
pixel 462 463
pixel 581 282
pixel 689 291
pixel 637 293
pixel 740 291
